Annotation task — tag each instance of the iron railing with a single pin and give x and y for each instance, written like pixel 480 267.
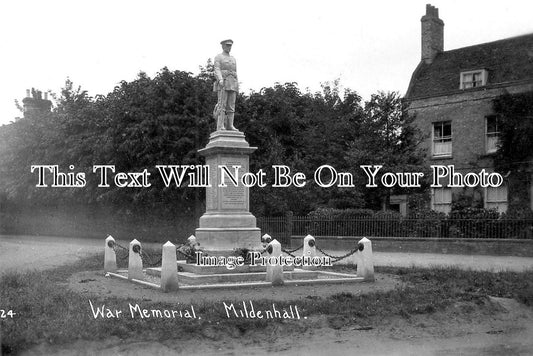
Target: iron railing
pixel 282 228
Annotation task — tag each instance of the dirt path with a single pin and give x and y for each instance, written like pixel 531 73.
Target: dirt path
pixel 44 252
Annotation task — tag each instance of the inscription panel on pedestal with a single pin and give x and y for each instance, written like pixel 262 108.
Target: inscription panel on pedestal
pixel 211 193
pixel 233 197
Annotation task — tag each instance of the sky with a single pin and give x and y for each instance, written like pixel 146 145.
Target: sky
pixel 369 46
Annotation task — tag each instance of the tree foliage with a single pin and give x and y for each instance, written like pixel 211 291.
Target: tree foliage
pixel 514 157
pixel 515 123
pixel 167 118
pixel 388 138
pixel 149 121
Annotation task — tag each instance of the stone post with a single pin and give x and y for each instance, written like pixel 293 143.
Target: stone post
pixel 309 251
pixel 274 272
pixel 266 239
pixel 135 263
pixel 365 267
pixel 169 268
pixel 191 240
pixel 110 257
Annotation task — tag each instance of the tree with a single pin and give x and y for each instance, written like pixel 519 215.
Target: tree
pixel 302 131
pixel 167 119
pixel 142 123
pixel 514 157
pixel 164 120
pixel 388 138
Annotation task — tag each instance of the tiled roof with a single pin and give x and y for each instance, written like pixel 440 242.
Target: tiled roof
pixel 505 60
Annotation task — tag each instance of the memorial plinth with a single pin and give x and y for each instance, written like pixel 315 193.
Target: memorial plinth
pixel 227 223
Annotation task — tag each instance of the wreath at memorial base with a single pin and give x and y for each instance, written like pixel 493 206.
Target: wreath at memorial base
pixel 243 252
pixel 190 252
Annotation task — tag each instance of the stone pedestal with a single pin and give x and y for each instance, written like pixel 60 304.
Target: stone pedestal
pixel 227 223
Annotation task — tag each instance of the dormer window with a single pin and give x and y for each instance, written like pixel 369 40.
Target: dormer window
pixel 473 79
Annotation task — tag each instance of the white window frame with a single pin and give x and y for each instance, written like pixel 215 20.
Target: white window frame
pixel 478 79
pixel 438 142
pixel 491 138
pixel 441 199
pixel 500 203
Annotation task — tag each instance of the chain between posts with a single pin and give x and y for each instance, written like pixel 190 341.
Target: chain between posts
pixel 292 251
pixel 122 248
pixel 119 246
pixel 288 253
pixel 335 258
pixel 145 256
pixel 338 258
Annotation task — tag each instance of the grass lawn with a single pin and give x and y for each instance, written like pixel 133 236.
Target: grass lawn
pixel 47 311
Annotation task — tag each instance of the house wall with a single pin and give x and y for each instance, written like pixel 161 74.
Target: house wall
pixel 467 110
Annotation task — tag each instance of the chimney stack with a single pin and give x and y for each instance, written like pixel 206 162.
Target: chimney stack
pixel 34 105
pixel 432 34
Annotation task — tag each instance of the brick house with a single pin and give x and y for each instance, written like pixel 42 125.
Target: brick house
pixel 451 95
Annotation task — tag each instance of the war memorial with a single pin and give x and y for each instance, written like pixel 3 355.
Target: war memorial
pixel 228 250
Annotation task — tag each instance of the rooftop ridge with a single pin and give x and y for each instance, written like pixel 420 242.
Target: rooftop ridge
pixel 517 37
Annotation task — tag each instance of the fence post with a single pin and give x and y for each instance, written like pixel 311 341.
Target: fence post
pixel 365 267
pixel 169 268
pixel 135 263
pixel 110 257
pixel 274 272
pixel 309 251
pixel 288 227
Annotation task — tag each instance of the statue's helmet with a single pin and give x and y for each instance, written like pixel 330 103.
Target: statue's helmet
pixel 230 42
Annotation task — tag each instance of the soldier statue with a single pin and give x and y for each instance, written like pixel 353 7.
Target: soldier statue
pixel 226 86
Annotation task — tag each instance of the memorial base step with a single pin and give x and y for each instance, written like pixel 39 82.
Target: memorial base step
pixel 199 269
pixel 192 278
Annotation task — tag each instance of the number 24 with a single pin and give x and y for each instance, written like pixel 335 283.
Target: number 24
pixel 5 313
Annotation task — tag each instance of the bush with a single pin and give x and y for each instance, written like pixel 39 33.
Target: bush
pixel 330 213
pixel 464 223
pixel 474 213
